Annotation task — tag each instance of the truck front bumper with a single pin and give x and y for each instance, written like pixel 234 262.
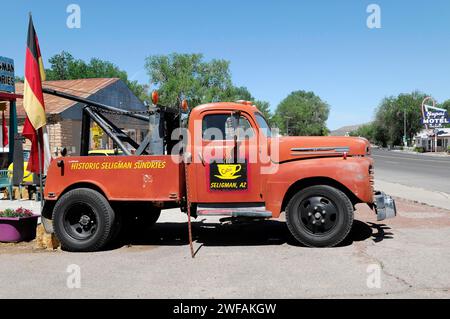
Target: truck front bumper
pixel 384 206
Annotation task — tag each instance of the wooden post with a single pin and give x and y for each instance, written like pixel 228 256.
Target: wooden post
pixel 44 240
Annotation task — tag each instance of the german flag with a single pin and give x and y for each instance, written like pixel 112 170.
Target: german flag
pixel 33 102
pixel 34 75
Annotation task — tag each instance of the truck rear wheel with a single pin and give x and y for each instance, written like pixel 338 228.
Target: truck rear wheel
pixel 319 216
pixel 83 220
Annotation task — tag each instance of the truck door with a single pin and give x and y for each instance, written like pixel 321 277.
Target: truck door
pixel 219 176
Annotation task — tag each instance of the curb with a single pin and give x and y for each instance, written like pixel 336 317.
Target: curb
pixel 415 194
pixel 429 154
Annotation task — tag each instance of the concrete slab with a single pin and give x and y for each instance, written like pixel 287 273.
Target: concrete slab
pixel 433 198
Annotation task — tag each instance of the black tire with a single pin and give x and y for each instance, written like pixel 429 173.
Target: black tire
pixel 83 220
pixel 319 216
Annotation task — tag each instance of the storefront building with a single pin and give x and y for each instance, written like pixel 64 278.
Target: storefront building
pixel 431 143
pixel 64 116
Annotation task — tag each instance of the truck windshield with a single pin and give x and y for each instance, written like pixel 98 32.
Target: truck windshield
pixel 263 125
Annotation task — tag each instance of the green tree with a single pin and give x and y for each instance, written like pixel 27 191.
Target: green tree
pixel 366 130
pixel 446 105
pixel 264 107
pixel 304 112
pixel 390 115
pixel 235 93
pixel 64 66
pixel 60 67
pixel 188 76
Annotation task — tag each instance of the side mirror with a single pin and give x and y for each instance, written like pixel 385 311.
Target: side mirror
pixel 236 116
pixel 64 152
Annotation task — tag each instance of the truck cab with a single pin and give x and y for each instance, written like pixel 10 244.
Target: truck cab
pixel 229 164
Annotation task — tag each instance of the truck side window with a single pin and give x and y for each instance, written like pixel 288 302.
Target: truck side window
pixel 220 127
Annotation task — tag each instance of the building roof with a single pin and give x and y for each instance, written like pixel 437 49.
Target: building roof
pixel 55 105
pixel 427 133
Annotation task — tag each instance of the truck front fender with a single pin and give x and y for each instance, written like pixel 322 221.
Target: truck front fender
pixel 351 175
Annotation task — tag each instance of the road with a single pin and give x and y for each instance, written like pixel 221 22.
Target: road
pixel 416 170
pixel 408 256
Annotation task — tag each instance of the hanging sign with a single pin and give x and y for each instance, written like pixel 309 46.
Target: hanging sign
pixel 432 116
pixel 7 79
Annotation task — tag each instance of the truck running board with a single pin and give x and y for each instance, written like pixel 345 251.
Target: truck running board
pixel 233 211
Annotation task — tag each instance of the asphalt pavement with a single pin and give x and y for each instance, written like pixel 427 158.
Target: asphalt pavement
pixel 414 170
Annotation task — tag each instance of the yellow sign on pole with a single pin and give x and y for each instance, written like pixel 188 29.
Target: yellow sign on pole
pixel 96 130
pixel 97 134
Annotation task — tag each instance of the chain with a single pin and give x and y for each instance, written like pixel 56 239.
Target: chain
pixel 146 112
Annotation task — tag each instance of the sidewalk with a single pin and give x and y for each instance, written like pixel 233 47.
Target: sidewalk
pixel 430 154
pixel 432 198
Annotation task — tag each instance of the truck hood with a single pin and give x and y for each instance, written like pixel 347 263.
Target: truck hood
pixel 295 148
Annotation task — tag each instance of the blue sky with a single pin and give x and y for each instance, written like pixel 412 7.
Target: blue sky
pixel 275 47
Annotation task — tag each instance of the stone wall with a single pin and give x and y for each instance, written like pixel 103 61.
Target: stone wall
pixel 61 134
pixel 65 134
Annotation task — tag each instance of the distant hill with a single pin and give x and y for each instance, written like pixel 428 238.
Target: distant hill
pixel 345 130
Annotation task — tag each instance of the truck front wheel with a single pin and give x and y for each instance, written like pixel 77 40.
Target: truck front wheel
pixel 83 220
pixel 319 216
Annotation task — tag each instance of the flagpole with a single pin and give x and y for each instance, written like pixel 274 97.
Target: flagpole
pixel 41 192
pixel 3 132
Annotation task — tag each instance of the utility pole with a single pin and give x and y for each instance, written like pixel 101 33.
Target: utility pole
pixel 287 124
pixel 436 132
pixel 405 143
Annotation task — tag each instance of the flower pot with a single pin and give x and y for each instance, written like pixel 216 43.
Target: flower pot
pixel 13 230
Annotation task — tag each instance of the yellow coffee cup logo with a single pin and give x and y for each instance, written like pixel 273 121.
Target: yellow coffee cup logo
pixel 228 171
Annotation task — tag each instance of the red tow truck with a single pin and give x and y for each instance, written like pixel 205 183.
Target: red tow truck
pixel 219 159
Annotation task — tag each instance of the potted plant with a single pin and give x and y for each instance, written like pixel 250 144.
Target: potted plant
pixel 17 225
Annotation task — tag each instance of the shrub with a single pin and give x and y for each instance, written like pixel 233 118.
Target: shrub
pixel 13 213
pixel 448 149
pixel 419 149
